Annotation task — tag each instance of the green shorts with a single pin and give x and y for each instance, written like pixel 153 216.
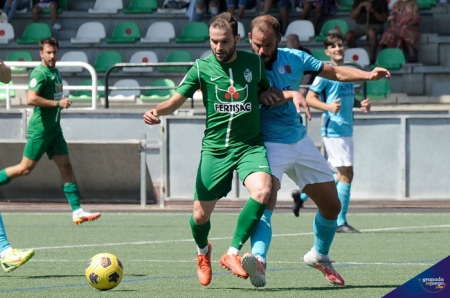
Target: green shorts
pixel 52 143
pixel 215 172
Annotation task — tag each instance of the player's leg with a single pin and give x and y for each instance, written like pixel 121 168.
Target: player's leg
pixel 24 168
pixel 11 258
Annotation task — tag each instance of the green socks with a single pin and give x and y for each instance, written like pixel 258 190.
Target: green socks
pixel 72 195
pixel 247 222
pixel 4 179
pixel 200 232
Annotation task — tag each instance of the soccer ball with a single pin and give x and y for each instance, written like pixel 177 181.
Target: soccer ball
pixel 104 271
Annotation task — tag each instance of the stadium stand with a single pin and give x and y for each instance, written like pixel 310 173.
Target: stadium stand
pixel 142 57
pixel 390 58
pixel 6 33
pixel 3 92
pixel 19 56
pixel 194 32
pixel 34 32
pixel 106 6
pixel 177 56
pixel 124 95
pixel 159 32
pixel 90 32
pixel 159 95
pixel 141 6
pixel 73 56
pixel 107 59
pixel 320 54
pixel 125 32
pixel 304 29
pixel 357 55
pixel 338 25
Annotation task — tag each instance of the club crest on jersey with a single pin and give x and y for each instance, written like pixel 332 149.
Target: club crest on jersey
pixel 281 70
pixel 248 75
pixel 288 68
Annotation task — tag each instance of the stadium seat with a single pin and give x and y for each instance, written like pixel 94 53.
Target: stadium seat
pixel 242 32
pixel 107 59
pixel 86 95
pixel 66 92
pixel 73 56
pixel 125 32
pixel 357 55
pixel 3 93
pixel 106 6
pixel 378 89
pixel 206 54
pixel 89 32
pixel 141 6
pixel 320 54
pixel 142 57
pixel 35 32
pixel 6 33
pixel 194 32
pixel 159 95
pixel 304 29
pixel 159 32
pixel 177 56
pixel 339 25
pixel 19 56
pixel 391 58
pixel 62 6
pixel 345 5
pixel 426 4
pixel 125 95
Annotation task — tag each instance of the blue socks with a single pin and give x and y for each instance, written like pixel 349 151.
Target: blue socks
pixel 324 231
pixel 262 236
pixel 343 190
pixel 4 244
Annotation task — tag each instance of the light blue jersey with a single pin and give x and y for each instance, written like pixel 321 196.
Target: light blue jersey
pixel 281 124
pixel 338 124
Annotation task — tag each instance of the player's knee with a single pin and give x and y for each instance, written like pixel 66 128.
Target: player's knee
pixel 200 217
pixel 262 195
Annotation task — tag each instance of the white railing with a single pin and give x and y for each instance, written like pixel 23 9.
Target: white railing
pixel 60 64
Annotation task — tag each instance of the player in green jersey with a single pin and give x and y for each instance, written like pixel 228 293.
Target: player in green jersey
pixel 231 82
pixel 45 93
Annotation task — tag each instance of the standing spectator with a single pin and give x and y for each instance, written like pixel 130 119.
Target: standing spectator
pixel 10 8
pixel 198 8
pixel 321 8
pixel 45 93
pixel 370 17
pixel 404 21
pixel 284 6
pixel 53 5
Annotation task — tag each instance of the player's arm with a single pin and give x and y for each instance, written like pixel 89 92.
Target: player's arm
pixel 5 73
pixel 165 108
pixel 34 99
pixel 351 74
pixel 314 101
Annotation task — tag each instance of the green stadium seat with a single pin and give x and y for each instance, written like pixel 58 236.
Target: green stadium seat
pixel 62 6
pixel 345 5
pixel 125 32
pixel 141 6
pixel 107 59
pixel 426 4
pixel 320 55
pixel 3 93
pixel 86 95
pixel 194 32
pixel 332 25
pixel 159 95
pixel 375 90
pixel 177 56
pixel 391 58
pixel 35 32
pixel 19 56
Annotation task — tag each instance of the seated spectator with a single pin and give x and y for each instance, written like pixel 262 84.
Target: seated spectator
pixel 198 8
pixel 241 5
pixel 10 8
pixel 293 42
pixel 283 6
pixel 53 5
pixel 321 8
pixel 403 32
pixel 369 16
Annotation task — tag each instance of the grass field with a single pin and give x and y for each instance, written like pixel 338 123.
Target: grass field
pixel 158 255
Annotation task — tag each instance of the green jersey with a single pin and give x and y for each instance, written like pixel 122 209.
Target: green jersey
pixel 231 99
pixel 48 84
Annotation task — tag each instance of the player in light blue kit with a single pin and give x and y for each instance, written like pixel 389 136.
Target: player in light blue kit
pixel 337 100
pixel 291 151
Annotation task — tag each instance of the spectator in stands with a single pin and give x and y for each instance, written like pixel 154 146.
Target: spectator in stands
pixel 10 7
pixel 370 17
pixel 403 32
pixel 197 9
pixel 45 93
pixel 293 42
pixel 53 5
pixel 284 6
pixel 321 8
pixel 241 5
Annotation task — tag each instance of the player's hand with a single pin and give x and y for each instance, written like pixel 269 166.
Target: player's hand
pixel 300 102
pixel 365 105
pixel 335 106
pixel 271 97
pixel 378 73
pixel 65 103
pixel 151 117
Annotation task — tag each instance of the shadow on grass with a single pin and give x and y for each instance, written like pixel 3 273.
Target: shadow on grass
pixel 329 288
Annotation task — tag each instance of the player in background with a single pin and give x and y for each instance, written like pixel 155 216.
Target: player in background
pixel 231 82
pixel 337 100
pixel 291 151
pixel 45 93
pixel 10 258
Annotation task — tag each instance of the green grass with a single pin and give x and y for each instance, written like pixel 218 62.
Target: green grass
pixel 158 255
